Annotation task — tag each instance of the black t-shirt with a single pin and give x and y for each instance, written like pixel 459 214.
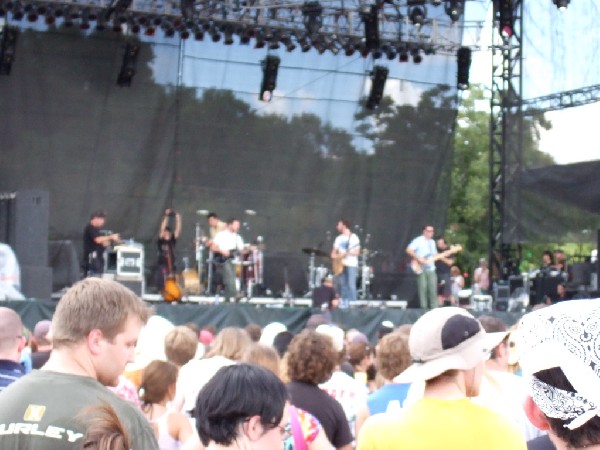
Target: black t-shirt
pixel 323 295
pixel 166 251
pixel 90 233
pixel 324 407
pixel 441 267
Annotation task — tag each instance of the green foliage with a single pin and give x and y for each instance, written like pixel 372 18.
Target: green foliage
pixel 468 211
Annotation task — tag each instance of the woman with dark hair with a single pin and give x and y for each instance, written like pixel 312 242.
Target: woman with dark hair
pixel 311 359
pixel 243 407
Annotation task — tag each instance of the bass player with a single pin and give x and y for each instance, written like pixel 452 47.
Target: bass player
pixel 344 257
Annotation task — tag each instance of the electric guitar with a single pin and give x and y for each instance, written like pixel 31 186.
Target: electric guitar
pixel 417 267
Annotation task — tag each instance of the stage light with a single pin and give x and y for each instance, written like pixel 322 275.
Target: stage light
pixel 198 33
pixel 8 49
pixel 49 18
pixel 214 34
pixel 260 39
pixel 561 4
pixel 100 23
pixel 417 13
pixel 378 77
pixel 245 35
pixel 454 9
pixel 371 20
pixel 128 66
pixel 270 66
pixel 287 41
pixel 273 38
pixel 85 20
pixel 505 17
pixel 311 12
pixel 17 12
pixel 32 14
pixel 402 53
pixel 415 52
pixel 303 42
pixel 463 61
pixel 184 32
pixel 349 47
pixel 390 51
pixel 228 32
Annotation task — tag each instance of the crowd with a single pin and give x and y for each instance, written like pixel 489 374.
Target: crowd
pixel 107 374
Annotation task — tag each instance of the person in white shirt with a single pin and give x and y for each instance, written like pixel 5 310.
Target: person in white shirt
pixel 226 245
pixel 344 254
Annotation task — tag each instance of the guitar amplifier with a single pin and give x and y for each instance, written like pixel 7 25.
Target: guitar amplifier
pixel 130 261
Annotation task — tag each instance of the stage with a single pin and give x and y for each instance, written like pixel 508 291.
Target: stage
pixel 202 311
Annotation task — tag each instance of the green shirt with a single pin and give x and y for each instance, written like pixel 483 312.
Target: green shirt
pixel 42 411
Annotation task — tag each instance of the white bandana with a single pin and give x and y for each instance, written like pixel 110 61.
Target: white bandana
pixel 566 335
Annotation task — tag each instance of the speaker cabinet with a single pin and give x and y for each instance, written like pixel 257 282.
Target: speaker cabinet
pixel 28 233
pixel 36 282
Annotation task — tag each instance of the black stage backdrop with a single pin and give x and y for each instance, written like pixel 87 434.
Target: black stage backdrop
pixel 191 134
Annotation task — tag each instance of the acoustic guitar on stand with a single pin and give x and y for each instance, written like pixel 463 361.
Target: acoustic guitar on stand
pixel 417 267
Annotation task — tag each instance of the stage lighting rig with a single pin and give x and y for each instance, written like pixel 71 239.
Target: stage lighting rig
pixel 378 77
pixel 8 48
pixel 561 4
pixel 270 66
pixel 463 62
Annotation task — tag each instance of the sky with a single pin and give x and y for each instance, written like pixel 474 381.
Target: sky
pixel 554 63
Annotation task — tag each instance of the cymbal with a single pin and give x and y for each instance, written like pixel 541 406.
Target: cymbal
pixel 315 251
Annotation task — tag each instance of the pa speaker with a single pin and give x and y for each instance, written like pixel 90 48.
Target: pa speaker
pixel 28 231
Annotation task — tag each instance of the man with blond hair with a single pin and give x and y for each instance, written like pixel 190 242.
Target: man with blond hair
pixel 181 345
pixel 95 328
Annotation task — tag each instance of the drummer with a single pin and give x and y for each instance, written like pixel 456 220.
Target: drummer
pixel 227 245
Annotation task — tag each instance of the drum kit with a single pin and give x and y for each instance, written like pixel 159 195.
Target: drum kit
pixel 249 264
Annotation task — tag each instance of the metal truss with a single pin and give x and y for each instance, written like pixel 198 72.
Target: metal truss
pixel 506 138
pixel 329 24
pixel 562 100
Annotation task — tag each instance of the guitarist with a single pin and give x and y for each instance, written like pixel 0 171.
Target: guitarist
pixel 225 245
pixel 423 249
pixel 346 249
pixel 167 238
pixel 442 268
